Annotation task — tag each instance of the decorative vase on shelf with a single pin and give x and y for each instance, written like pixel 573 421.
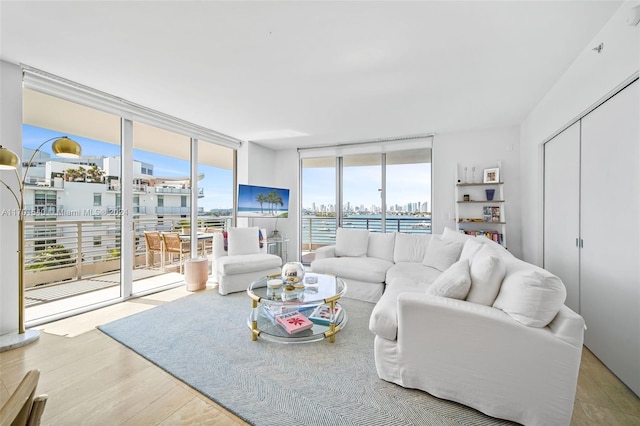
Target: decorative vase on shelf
pixel 292 272
pixel 490 193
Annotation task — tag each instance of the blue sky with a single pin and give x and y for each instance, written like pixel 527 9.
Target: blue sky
pixel 217 183
pixel 360 183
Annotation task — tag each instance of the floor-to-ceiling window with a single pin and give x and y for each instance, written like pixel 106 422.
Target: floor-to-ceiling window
pixel 318 205
pixel 216 186
pixel 72 228
pixel 362 191
pixel 132 175
pixel 382 187
pixel 162 187
pixel 408 191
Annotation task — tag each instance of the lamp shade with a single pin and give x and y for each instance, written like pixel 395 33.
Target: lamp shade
pixel 65 147
pixel 8 159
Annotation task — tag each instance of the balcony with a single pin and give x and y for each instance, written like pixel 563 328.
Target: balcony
pixel 77 263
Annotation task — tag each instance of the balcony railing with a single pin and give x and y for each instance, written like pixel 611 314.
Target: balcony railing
pixel 42 210
pixel 164 210
pixel 63 250
pixel 174 190
pixel 321 231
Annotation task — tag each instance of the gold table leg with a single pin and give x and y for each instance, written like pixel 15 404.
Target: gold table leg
pixel 254 320
pixel 332 324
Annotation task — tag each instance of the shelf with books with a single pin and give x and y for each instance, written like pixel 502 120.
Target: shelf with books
pixel 480 205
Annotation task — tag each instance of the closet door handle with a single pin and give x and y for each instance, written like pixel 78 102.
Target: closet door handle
pixel 578 242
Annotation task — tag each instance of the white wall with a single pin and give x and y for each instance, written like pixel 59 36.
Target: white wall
pixel 11 137
pixel 483 148
pixel 591 77
pixel 262 166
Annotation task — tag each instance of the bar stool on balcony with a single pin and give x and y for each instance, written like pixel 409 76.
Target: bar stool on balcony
pixel 154 245
pixel 174 245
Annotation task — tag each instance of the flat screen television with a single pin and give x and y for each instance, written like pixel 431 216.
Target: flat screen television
pixel 262 201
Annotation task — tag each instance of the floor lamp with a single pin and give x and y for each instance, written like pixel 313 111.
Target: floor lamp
pixel 9 160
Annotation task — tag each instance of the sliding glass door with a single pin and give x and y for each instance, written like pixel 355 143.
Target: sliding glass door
pixel 318 205
pixel 72 215
pixel 408 191
pixel 362 192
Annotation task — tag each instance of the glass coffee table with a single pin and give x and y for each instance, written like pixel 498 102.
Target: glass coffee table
pixel 271 297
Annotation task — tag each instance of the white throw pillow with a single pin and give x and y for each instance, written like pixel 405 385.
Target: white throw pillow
pixel 470 248
pixel 500 249
pixel 456 236
pixel 453 283
pixel 531 296
pixel 411 247
pixel 381 245
pixel 243 241
pixel 351 242
pixel 487 272
pixel 441 253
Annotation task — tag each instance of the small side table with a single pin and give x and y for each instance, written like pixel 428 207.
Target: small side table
pixel 196 272
pixel 278 246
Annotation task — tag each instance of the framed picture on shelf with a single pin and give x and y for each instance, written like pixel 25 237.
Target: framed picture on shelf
pixel 492 175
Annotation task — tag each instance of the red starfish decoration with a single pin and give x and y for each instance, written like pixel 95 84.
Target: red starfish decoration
pixel 295 321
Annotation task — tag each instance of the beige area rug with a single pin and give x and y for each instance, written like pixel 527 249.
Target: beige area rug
pixel 204 340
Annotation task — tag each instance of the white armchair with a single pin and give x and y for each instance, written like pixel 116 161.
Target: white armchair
pixel 243 260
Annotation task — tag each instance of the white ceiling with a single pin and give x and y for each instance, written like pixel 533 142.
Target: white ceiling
pixel 329 72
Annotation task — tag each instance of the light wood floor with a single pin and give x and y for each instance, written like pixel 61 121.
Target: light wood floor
pixel 93 380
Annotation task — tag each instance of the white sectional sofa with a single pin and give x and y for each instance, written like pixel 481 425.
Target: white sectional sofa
pixel 463 319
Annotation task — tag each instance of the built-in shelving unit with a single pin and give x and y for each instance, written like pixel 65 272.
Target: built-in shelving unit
pixel 475 213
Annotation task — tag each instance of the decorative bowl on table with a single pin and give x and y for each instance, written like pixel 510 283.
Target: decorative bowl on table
pixel 292 273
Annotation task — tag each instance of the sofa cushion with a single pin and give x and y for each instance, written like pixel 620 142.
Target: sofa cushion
pixel 367 269
pixel 453 283
pixel 381 245
pixel 351 242
pixel 441 253
pixel 240 264
pixel 470 248
pixel 243 241
pixel 410 247
pixel 487 271
pixel 530 295
pixel 411 273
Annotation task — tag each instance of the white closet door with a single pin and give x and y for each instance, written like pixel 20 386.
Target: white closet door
pixel 562 210
pixel 610 271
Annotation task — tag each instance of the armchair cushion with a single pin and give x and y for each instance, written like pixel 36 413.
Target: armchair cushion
pixel 351 242
pixel 242 264
pixel 487 271
pixel 243 241
pixel 454 282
